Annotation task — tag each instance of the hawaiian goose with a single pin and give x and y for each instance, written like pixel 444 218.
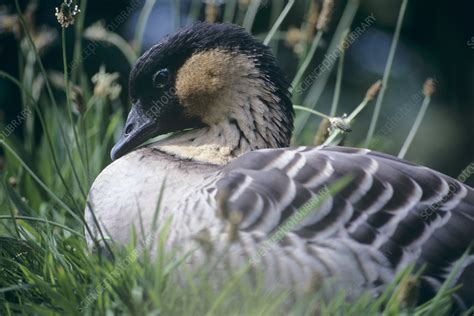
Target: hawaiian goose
pixel 225 172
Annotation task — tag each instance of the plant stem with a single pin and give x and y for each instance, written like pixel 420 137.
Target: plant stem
pixel 357 110
pixel 41 183
pixel 229 11
pixel 63 136
pixel 177 11
pixel 120 43
pixel 12 212
pixel 318 86
pixel 302 108
pixel 68 99
pixel 83 127
pixel 41 220
pixel 276 8
pixel 59 201
pixel 386 74
pixel 307 60
pixel 337 88
pixel 142 21
pixel 349 119
pixel 77 57
pixel 33 46
pixel 251 14
pixel 278 22
pixel 194 11
pixel 30 120
pixel 46 132
pixel 414 128
pixel 47 83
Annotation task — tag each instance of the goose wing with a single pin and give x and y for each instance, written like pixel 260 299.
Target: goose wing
pixel 409 213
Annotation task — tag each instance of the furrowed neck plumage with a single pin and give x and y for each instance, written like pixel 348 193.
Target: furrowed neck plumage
pixel 241 107
pixel 221 86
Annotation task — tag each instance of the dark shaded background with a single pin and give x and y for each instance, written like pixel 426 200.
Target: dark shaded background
pixel 434 43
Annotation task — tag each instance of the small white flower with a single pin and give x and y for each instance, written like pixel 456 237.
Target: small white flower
pixel 340 123
pixel 65 14
pixel 105 85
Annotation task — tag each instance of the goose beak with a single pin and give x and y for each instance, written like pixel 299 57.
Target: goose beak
pixel 138 129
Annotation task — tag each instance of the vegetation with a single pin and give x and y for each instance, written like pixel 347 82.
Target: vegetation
pixel 46 267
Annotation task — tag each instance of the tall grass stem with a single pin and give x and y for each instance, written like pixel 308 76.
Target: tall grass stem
pixel 46 133
pixel 278 22
pixel 40 182
pixel 61 130
pixel 251 14
pixel 68 99
pixel 229 11
pixel 177 12
pixel 386 74
pixel 307 60
pixel 77 57
pixel 41 220
pixel 47 83
pixel 414 128
pixel 337 88
pixel 195 9
pixel 349 119
pixel 318 86
pixel 142 22
pixel 317 113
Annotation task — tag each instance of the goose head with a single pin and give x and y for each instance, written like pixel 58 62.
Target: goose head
pixel 214 86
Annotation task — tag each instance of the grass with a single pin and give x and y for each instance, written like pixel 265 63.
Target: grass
pixel 386 74
pixel 46 267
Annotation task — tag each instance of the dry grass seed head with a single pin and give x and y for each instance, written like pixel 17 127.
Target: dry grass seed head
pixel 373 90
pixel 326 15
pixel 429 88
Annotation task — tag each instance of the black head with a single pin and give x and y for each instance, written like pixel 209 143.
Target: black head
pixel 161 91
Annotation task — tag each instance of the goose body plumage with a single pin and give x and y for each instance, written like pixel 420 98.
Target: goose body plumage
pixel 352 215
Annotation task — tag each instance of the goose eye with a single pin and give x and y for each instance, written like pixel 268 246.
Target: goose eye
pixel 161 78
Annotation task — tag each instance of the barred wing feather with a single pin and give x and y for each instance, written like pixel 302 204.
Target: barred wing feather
pixel 407 213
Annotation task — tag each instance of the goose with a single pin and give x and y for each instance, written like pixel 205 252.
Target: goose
pixel 225 171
